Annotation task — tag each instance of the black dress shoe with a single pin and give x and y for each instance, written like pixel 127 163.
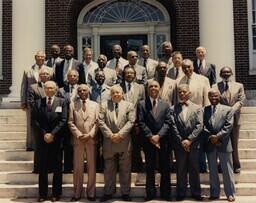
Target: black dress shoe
pixel 75 199
pixel 126 198
pixel 180 198
pixel 149 198
pixel 91 199
pixel 105 198
pixel 41 199
pixel 166 198
pixel 67 171
pixel 214 198
pixel 237 170
pixel 29 149
pixel 197 197
pixel 55 199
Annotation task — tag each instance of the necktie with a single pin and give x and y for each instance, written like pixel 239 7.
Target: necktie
pixel 53 62
pixel 226 86
pixel 177 73
pixel 116 109
pixel 71 88
pixel 227 92
pixel 84 105
pixel 49 104
pixel 129 86
pixel 145 63
pixel 201 68
pixel 154 107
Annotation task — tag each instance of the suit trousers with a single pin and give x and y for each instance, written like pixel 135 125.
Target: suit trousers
pixel 187 164
pixel 137 164
pixel 68 150
pixel 152 154
pixel 123 160
pixel 227 172
pixel 50 156
pixel 234 141
pixel 80 149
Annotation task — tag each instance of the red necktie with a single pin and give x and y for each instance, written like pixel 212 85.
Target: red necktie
pixel 49 104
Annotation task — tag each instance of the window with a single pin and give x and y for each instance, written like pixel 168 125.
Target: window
pixel 114 11
pixel 254 24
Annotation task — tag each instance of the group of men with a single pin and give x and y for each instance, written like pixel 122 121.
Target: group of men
pixel 111 111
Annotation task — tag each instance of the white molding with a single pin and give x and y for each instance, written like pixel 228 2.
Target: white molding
pixel 1 39
pixel 151 29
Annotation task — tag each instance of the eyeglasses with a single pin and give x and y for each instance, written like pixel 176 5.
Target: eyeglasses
pixel 134 56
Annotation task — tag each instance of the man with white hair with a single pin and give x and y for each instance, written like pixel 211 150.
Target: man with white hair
pixel 50 115
pixel 116 119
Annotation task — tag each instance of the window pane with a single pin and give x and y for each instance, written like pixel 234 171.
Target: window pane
pixel 254 30
pixel 253 4
pixel 254 43
pixel 254 17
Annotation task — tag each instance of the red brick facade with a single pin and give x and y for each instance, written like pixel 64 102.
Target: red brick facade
pixel 61 28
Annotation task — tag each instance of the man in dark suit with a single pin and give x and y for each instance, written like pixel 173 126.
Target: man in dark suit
pixel 218 121
pixel 202 67
pixel 232 94
pixel 50 117
pixel 55 57
pixel 35 92
pixel 68 63
pixel 69 93
pixel 151 117
pixel 186 123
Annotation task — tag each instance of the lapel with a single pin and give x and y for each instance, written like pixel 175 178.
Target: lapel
pixel 208 69
pixel 111 109
pixel 40 90
pixel 121 111
pixel 55 103
pixel 180 117
pixel 149 107
pixel 165 89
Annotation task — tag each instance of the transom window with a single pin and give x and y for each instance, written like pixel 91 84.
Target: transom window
pixel 120 11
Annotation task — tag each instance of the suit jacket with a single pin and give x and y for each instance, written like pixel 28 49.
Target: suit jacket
pixel 36 91
pixel 112 63
pixel 199 87
pixel 186 129
pixel 53 121
pixel 110 76
pixel 49 62
pixel 122 125
pixel 141 74
pixel 135 95
pixel 210 72
pixel 30 77
pixel 75 65
pixel 100 95
pixel 81 122
pixel 90 67
pixel 150 66
pixel 65 93
pixel 221 125
pixel 151 124
pixel 168 91
pixel 172 74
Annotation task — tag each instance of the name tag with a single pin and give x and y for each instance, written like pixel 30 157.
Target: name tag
pixel 58 109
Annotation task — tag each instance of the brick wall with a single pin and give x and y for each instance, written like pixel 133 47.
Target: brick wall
pixel 6 47
pixel 241 45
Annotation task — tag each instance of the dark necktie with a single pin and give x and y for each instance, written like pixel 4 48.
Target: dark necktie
pixel 154 107
pixel 71 88
pixel 116 109
pixel 117 62
pixel 145 63
pixel 84 105
pixel 129 86
pixel 226 86
pixel 177 73
pixel 49 104
pixel 201 70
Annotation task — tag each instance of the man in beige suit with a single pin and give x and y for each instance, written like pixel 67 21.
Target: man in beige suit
pixel 82 122
pixel 198 84
pixel 232 94
pixel 31 76
pixel 116 119
pixel 167 85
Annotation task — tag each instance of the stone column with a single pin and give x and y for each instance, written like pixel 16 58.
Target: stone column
pixel 217 32
pixel 1 62
pixel 28 36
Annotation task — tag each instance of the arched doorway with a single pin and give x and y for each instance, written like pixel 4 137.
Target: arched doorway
pixel 103 23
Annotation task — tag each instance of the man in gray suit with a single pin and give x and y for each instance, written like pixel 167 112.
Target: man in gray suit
pixel 175 72
pixel 218 122
pixel 31 76
pixel 186 123
pixel 134 93
pixel 232 94
pixel 149 63
pixel 116 119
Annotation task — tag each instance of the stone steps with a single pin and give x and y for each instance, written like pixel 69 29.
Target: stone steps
pixel 12 144
pixel 28 178
pixel 28 191
pixel 5 135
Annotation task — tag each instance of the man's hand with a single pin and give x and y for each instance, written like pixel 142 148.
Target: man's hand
pixel 116 138
pixel 155 140
pixel 48 138
pixel 23 107
pixel 84 138
pixel 186 145
pixel 214 139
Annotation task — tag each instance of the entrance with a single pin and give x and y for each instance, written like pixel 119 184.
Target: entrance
pixel 127 42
